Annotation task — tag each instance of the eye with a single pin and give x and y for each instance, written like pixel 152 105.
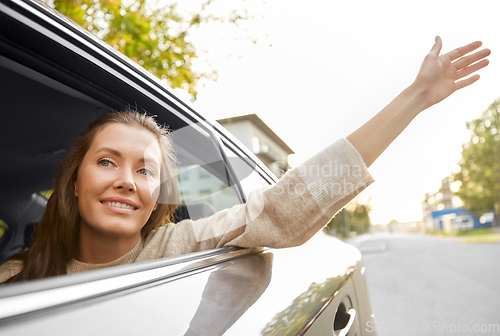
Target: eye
pixel 105 162
pixel 146 172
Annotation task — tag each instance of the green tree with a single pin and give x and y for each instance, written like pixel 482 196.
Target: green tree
pixel 153 33
pixel 480 163
pixel 354 217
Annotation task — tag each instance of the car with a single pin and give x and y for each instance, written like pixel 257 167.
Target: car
pixel 464 222
pixel 55 77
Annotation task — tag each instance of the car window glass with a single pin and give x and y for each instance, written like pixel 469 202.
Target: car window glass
pixel 246 172
pixel 204 181
pixel 199 186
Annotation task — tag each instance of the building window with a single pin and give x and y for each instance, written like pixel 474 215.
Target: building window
pixel 255 144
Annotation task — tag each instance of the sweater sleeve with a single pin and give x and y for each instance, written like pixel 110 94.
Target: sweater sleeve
pixel 284 215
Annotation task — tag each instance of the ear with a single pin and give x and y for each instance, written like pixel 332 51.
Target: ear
pixel 76 192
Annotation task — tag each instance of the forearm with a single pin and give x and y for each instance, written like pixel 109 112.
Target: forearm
pixel 371 139
pixel 304 200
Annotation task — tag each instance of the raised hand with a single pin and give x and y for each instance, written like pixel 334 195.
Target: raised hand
pixel 440 76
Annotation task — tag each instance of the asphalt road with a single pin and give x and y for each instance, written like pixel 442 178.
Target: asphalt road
pixel 423 285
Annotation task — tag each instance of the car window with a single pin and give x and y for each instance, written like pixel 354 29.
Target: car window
pixel 247 172
pixel 205 183
pixel 198 186
pixel 46 107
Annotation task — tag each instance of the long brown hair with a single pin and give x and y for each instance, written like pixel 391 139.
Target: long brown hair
pixel 56 238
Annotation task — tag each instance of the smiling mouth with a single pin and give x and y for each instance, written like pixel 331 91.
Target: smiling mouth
pixel 119 205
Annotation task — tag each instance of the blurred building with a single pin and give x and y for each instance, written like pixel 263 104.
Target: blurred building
pixel 443 199
pixel 261 140
pixel 395 226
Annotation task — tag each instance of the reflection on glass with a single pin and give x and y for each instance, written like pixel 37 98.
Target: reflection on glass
pixel 46 193
pixel 292 320
pixel 3 228
pixel 197 185
pixel 229 293
pixel 246 172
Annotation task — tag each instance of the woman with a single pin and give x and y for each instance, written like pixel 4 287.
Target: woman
pixel 114 194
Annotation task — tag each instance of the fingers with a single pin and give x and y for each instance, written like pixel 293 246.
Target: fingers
pixel 436 48
pixel 466 82
pixel 459 52
pixel 471 69
pixel 468 60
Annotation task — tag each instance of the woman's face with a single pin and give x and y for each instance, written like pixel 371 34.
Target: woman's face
pixel 116 179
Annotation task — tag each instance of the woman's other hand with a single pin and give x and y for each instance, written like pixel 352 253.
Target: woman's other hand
pixel 440 76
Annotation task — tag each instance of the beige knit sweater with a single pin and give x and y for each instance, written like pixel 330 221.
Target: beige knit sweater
pixel 285 215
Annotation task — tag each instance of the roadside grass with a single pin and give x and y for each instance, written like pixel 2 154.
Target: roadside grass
pixel 486 235
pixel 482 238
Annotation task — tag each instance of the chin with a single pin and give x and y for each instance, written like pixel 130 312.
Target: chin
pixel 114 230
pixel 121 231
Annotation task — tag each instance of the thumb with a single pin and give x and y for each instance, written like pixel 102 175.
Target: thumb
pixel 436 48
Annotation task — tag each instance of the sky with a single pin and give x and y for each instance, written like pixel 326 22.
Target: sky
pixel 320 69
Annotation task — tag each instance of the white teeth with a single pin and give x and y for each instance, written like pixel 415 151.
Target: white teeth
pixel 119 205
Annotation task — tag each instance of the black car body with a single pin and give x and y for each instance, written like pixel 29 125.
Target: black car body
pixel 55 77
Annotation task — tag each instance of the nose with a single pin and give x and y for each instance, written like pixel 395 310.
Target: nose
pixel 125 182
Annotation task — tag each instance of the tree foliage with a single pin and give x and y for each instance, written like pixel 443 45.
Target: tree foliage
pixel 355 217
pixel 153 33
pixel 480 162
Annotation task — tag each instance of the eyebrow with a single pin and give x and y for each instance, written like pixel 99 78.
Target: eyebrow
pixel 117 153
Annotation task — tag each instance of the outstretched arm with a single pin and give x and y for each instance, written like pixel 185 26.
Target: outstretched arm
pixel 438 78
